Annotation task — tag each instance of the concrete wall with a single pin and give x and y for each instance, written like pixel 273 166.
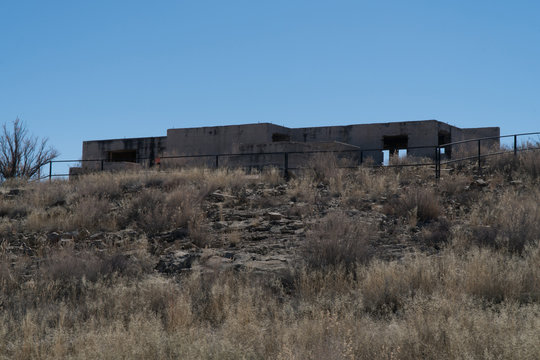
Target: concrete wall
pixel 267 154
pixel 476 133
pixel 269 138
pixel 370 136
pixel 219 139
pixel 466 149
pixel 299 154
pixel 148 149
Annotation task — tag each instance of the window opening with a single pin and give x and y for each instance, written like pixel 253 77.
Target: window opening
pixel 402 153
pixel 386 157
pixel 445 138
pixel 123 156
pixel 280 137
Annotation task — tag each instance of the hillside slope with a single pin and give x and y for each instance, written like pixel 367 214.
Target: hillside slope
pixel 333 263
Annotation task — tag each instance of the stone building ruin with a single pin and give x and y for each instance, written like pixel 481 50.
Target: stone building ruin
pixel 264 144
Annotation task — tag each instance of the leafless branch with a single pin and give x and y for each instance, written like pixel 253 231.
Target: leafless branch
pixel 21 154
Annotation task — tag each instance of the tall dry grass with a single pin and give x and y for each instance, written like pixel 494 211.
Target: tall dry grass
pixel 483 304
pixel 477 296
pixel 338 240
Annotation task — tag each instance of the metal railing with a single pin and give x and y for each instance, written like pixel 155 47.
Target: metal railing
pixel 479 155
pixel 440 156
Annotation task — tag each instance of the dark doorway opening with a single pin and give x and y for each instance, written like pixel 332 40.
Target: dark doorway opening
pixel 395 143
pixel 445 138
pixel 123 156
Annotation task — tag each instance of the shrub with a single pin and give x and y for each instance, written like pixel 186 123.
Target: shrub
pixel 375 183
pixel 510 222
pixel 529 161
pixel 420 203
pixel 90 213
pixel 455 184
pixel 197 232
pixel 436 234
pixel 13 209
pixel 338 240
pixel 519 223
pixel 67 265
pixel 153 211
pixel 101 185
pixel 45 195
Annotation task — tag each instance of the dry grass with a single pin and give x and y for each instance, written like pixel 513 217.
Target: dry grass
pixel 416 204
pixel 510 221
pixel 530 162
pixel 477 296
pixel 338 240
pixel 425 307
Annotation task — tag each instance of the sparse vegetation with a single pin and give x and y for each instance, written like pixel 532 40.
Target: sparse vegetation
pixel 356 264
pixel 338 240
pixel 21 154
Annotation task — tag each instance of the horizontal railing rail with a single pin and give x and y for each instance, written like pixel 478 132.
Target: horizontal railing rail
pixel 479 155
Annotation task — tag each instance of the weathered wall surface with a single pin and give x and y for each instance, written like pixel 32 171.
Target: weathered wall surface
pixel 370 136
pixel 147 150
pixel 476 133
pixel 268 138
pixel 299 154
pixel 219 139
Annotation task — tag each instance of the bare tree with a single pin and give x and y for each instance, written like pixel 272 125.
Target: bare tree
pixel 21 154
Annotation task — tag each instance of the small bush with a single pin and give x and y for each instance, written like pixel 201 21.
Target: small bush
pixel 509 222
pixel 153 211
pixel 375 183
pixel 519 224
pixel 101 185
pixel 90 213
pixel 422 204
pixel 52 219
pixel 197 232
pixel 13 209
pixel 453 185
pixel 45 195
pixel 436 235
pixel 529 161
pixel 272 176
pixel 68 265
pixel 484 236
pixel 338 240
pixel 323 165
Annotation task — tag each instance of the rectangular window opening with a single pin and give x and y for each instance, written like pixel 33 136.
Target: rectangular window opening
pixel 402 153
pixel 386 157
pixel 395 143
pixel 276 137
pixel 123 156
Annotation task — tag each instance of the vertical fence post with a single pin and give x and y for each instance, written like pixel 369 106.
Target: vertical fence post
pixel 361 157
pixel 50 170
pixel 217 161
pixel 515 145
pixel 479 158
pixel 101 165
pixel 286 166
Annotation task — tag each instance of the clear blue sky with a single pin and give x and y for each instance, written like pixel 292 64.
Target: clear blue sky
pixel 81 70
